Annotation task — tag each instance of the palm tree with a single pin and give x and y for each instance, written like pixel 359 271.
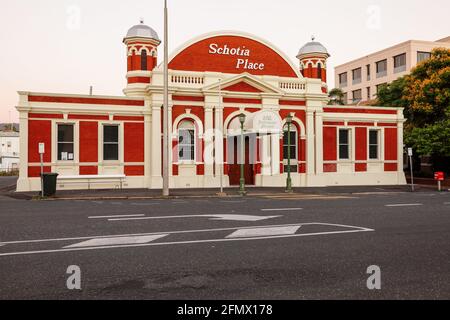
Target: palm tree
pixel 336 97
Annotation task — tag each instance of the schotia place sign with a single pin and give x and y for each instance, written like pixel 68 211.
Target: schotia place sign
pixel 242 53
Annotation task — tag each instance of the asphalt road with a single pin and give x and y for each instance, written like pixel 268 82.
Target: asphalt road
pixel 294 247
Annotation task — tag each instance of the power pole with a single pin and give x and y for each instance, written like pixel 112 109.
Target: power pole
pixel 166 191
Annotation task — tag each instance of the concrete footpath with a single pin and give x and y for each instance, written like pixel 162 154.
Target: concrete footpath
pixel 134 194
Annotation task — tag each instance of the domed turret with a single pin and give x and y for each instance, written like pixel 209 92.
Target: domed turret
pixel 142 44
pixel 313 61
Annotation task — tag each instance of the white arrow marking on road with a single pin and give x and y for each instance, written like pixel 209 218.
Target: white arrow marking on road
pixel 224 217
pixel 405 205
pixel 105 242
pixel 264 232
pixel 118 216
pixel 283 209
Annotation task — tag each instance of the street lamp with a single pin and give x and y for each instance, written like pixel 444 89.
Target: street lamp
pixel 242 181
pixel 289 179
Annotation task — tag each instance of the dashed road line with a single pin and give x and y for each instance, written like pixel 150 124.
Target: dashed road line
pixel 118 216
pixel 116 241
pixel 282 209
pixel 404 205
pixel 225 217
pixel 264 232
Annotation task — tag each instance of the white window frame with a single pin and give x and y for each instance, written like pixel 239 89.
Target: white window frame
pixel 350 144
pixel 75 139
pixel 179 129
pixel 102 142
pixel 378 144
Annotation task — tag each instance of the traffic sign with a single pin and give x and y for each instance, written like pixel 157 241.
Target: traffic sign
pixel 439 176
pixel 410 152
pixel 41 148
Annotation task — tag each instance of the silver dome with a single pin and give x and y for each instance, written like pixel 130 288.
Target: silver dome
pixel 313 47
pixel 142 31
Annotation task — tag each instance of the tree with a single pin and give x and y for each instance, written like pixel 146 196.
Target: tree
pixel 336 96
pixel 425 96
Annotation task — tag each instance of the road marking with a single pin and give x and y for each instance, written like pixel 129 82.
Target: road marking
pixel 145 204
pixel 118 216
pixel 447 203
pixel 264 232
pixel 117 241
pixel 405 205
pixel 223 217
pixel 283 209
pixel 353 229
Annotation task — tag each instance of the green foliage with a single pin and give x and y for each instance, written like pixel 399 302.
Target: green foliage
pixel 336 96
pixel 425 97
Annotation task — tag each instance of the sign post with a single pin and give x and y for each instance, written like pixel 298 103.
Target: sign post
pixel 439 177
pixel 410 155
pixel 41 155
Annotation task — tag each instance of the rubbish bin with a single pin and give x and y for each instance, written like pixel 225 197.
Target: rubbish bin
pixel 49 184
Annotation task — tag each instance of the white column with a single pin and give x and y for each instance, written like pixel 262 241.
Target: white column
pixel 147 148
pixel 209 146
pixel 310 149
pixel 265 155
pixel 170 137
pixel 23 182
pixel 319 142
pixel 218 142
pixel 401 173
pixel 156 155
pixel 275 153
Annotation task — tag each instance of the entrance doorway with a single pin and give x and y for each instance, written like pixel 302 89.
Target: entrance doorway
pixel 234 168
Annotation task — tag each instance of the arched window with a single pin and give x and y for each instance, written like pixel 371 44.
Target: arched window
pixel 186 141
pixel 144 60
pixel 319 71
pixel 294 148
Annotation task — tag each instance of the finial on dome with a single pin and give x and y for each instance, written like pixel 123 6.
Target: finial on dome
pixel 141 20
pixel 313 38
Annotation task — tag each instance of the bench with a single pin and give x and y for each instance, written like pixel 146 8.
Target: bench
pixel 92 179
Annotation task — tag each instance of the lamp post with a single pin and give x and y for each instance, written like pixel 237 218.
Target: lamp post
pixel 289 179
pixel 242 181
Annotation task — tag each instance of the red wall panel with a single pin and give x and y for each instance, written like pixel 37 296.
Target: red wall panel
pixel 35 172
pixel 88 141
pixel 329 144
pixel 134 142
pixel 39 131
pixel 390 144
pixel 361 144
pixel 131 171
pixel 88 170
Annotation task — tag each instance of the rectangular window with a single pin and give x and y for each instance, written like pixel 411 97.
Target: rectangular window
pixel 381 68
pixel 356 74
pixel 373 144
pixel 369 96
pixel 186 144
pixel 345 98
pixel 65 142
pixel 344 144
pixel 368 72
pixel 422 56
pixel 357 96
pixel 111 143
pixel 343 79
pixel 400 63
pixel 293 145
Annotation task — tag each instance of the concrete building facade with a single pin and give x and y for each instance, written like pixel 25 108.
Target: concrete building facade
pixel 361 78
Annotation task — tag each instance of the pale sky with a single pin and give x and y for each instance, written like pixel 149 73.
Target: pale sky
pixel 65 46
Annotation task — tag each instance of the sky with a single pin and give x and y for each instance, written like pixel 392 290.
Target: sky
pixel 66 46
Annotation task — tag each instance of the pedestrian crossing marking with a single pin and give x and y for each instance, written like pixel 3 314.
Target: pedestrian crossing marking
pixel 102 242
pixel 264 232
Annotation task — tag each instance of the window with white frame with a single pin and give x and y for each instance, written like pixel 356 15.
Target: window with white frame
pixel 65 142
pixel 344 144
pixel 111 142
pixel 186 141
pixel 374 149
pixel 293 147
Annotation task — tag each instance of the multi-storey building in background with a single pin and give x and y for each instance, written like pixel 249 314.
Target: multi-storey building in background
pixel 9 151
pixel 360 79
